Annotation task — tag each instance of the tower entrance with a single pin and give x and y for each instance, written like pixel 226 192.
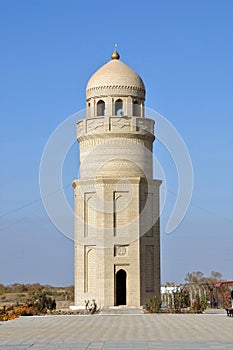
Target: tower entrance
pixel 121 287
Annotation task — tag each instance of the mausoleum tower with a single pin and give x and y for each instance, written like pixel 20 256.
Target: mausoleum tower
pixel 117 234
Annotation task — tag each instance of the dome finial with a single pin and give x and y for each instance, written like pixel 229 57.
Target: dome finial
pixel 115 55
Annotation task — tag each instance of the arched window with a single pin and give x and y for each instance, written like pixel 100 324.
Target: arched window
pixel 136 108
pixel 119 107
pixel 100 108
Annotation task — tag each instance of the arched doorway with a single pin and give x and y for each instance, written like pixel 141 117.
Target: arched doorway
pixel 121 287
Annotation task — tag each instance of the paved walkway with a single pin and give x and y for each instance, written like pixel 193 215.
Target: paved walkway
pixel 125 332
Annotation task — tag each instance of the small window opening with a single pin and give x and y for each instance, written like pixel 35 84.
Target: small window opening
pixel 136 108
pixel 100 108
pixel 119 108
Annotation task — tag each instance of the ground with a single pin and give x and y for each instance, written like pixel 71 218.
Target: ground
pixel 112 331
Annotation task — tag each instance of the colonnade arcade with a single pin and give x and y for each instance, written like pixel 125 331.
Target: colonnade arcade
pixel 118 106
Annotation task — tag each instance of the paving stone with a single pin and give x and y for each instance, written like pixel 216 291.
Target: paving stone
pixel 123 332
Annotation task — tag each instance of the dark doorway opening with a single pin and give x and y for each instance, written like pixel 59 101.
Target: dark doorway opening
pixel 121 287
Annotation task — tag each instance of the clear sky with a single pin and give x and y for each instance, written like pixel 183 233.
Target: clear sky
pixel 183 51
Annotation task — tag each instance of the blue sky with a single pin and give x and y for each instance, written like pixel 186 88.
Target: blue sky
pixel 183 51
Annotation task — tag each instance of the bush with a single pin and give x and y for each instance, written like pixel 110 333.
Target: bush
pixel 153 305
pixel 199 304
pixel 43 303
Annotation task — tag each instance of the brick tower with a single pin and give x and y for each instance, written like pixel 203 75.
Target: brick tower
pixel 117 231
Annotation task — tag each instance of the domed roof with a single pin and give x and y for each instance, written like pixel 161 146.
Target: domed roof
pixel 115 78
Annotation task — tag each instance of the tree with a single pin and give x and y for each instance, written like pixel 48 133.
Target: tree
pixel 198 277
pixel 194 277
pixel 217 276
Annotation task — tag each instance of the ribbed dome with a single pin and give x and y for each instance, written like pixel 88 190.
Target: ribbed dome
pixel 115 77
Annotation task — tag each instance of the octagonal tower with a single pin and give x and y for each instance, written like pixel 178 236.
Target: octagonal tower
pixel 117 231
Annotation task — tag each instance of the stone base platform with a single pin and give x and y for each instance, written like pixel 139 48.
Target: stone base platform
pixel 119 331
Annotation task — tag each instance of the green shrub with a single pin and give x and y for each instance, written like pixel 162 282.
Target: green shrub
pixel 153 305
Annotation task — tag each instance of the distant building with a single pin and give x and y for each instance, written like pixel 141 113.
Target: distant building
pixel 117 229
pixel 170 289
